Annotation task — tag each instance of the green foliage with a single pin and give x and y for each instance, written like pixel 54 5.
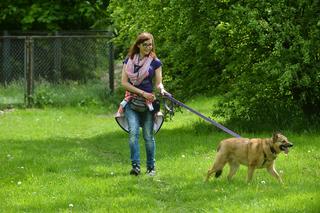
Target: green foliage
pixel 53 15
pixel 263 55
pixel 71 93
pixel 43 98
pixel 273 63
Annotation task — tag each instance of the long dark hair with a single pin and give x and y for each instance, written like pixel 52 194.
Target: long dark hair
pixel 142 37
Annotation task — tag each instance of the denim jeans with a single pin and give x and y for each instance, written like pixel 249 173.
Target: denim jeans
pixel 135 121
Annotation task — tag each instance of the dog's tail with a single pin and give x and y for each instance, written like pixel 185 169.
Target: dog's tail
pixel 218 173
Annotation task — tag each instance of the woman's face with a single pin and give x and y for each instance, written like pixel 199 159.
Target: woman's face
pixel 145 47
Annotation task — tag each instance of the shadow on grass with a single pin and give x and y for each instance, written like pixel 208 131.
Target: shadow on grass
pixel 60 154
pixel 56 154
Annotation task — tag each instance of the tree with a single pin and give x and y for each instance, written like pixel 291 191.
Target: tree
pixel 264 54
pixel 53 15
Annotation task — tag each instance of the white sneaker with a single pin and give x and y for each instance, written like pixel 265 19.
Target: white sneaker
pixel 151 172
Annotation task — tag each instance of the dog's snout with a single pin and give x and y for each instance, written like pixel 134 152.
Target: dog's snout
pixel 289 144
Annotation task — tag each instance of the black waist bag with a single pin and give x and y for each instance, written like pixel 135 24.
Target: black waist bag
pixel 138 104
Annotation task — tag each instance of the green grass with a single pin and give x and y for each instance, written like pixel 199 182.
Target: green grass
pixel 51 158
pixel 67 93
pixel 12 94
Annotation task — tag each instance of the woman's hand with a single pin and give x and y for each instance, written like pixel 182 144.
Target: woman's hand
pixel 163 91
pixel 149 96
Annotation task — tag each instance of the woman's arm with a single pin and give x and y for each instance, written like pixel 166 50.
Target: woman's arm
pixel 129 87
pixel 159 84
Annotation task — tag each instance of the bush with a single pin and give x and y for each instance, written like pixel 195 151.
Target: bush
pixel 264 55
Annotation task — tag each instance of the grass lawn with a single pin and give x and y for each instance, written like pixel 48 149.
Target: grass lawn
pixel 77 160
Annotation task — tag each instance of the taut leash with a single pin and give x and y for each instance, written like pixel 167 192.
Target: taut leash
pixel 225 129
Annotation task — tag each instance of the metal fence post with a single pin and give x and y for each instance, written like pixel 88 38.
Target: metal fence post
pixel 111 67
pixel 28 67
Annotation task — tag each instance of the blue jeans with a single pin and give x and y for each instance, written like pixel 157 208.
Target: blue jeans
pixel 135 121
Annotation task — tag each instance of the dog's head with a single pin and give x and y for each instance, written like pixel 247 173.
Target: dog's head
pixel 281 143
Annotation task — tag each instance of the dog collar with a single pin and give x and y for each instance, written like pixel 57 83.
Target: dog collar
pixel 265 158
pixel 273 150
pixel 265 155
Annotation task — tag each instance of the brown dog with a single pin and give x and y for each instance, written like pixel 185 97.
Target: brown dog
pixel 255 153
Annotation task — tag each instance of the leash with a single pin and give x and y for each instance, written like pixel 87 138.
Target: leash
pixel 225 129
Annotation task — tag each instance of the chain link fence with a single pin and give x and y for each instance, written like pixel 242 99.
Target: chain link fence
pixel 43 69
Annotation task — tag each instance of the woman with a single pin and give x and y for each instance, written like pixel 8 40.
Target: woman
pixel 140 69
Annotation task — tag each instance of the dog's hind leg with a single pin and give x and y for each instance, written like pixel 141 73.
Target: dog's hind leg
pixel 234 166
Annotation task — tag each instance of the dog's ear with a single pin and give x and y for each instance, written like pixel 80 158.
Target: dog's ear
pixel 275 136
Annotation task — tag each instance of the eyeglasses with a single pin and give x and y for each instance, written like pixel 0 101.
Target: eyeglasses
pixel 145 45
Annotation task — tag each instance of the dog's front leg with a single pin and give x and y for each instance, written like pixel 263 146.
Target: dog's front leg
pixel 274 173
pixel 251 169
